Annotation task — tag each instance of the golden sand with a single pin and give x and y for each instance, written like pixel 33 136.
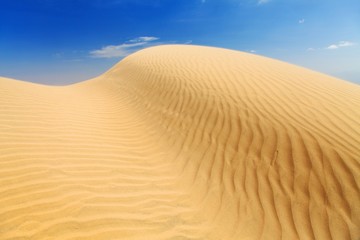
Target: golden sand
pixel 182 142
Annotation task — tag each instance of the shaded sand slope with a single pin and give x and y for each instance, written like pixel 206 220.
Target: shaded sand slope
pixel 182 142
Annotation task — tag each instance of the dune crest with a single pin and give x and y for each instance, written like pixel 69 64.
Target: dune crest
pixel 182 142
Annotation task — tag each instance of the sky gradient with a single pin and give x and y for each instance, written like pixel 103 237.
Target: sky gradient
pixel 59 42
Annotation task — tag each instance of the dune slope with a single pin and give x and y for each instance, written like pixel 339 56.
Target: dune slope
pixel 182 142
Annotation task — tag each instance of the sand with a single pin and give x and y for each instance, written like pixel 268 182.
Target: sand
pixel 182 142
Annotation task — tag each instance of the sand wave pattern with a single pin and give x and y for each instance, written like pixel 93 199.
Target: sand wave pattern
pixel 182 142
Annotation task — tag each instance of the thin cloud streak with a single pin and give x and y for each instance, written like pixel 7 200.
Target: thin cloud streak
pixel 334 46
pixel 144 39
pixel 341 44
pixel 122 50
pixel 261 2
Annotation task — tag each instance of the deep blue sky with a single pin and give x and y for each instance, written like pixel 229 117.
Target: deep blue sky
pixel 64 41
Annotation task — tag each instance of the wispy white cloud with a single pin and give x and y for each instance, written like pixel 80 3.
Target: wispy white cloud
pixel 122 50
pixel 253 51
pixel 301 21
pixel 341 44
pixel 260 2
pixel 335 46
pixel 144 39
pixel 111 51
pixel 332 46
pixel 58 55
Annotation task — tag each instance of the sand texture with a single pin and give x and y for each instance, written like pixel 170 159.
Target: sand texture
pixel 182 142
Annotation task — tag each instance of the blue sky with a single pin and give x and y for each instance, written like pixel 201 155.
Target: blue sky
pixel 59 42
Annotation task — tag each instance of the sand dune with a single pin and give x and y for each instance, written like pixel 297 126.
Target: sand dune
pixel 182 142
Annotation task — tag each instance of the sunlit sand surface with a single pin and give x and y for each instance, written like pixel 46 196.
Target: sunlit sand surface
pixel 182 142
